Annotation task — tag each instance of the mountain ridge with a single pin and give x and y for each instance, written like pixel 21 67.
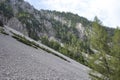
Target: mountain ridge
pixel 25 15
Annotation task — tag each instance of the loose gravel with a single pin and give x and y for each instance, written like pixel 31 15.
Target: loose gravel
pixel 21 62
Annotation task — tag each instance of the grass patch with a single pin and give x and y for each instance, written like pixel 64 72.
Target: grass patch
pixel 33 44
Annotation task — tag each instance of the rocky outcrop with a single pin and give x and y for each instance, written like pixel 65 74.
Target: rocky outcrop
pixel 32 22
pixel 81 30
pixel 17 25
pixel 23 17
pixel 49 28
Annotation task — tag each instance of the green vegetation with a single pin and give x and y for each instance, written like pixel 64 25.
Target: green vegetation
pixel 75 18
pixel 31 24
pixel 73 50
pixel 107 58
pixel 6 9
pixel 115 52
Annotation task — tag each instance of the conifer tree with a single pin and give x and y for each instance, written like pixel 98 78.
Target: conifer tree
pixel 115 52
pixel 100 60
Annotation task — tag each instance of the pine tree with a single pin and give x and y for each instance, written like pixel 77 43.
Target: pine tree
pixel 100 60
pixel 115 52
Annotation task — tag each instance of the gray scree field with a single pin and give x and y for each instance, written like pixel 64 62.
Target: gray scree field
pixel 21 62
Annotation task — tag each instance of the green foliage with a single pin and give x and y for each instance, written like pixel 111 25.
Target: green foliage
pixel 6 9
pixel 99 43
pixel 53 44
pixel 115 52
pixel 103 62
pixel 71 50
pixel 99 37
pixel 32 24
pixel 23 14
pixel 116 44
pixel 75 18
pixel 61 30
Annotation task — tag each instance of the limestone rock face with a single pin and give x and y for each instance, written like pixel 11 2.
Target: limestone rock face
pixel 38 23
pixel 49 28
pixel 17 25
pixel 81 30
pixel 23 17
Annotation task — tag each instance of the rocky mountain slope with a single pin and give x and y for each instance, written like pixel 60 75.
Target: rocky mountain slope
pixel 64 32
pixel 19 61
pixel 25 18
